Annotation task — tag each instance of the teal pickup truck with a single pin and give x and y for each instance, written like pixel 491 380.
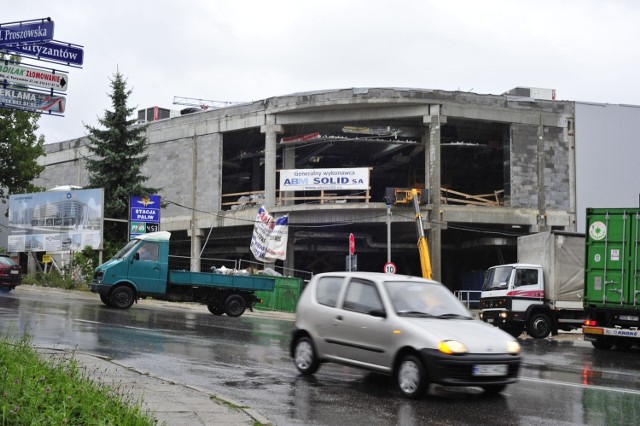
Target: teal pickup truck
pixel 141 269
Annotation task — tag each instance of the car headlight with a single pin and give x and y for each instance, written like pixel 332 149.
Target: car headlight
pixel 513 347
pixel 452 347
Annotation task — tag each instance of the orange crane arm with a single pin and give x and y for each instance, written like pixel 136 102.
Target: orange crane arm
pixel 423 248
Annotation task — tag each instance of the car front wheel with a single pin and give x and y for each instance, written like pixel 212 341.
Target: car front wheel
pixel 122 297
pixel 304 356
pixel 411 377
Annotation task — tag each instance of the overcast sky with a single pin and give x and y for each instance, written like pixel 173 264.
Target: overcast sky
pixel 234 50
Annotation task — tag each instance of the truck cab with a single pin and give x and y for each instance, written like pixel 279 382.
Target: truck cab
pixel 140 268
pixel 512 298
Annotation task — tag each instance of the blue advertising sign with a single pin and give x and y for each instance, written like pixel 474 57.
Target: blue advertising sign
pixel 26 32
pixel 53 51
pixel 144 214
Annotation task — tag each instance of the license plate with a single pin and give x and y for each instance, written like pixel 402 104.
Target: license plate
pixel 16 272
pixel 490 320
pixel 628 318
pixel 490 370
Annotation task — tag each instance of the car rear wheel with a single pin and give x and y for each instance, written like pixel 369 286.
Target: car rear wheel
pixel 411 377
pixel 304 356
pixel 235 305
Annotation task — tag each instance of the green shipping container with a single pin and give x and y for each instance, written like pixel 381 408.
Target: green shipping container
pixel 612 271
pixel 284 296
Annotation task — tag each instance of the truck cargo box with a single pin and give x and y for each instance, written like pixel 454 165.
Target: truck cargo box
pixel 206 279
pixel 561 255
pixel 612 275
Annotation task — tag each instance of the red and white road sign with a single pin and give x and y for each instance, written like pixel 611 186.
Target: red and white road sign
pixel 390 268
pixel 352 245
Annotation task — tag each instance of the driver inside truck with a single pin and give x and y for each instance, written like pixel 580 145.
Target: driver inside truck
pixel 148 251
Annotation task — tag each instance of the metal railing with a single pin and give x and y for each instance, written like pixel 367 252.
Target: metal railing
pixel 470 298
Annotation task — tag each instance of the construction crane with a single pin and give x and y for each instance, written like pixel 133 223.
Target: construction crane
pixel 423 248
pixel 203 104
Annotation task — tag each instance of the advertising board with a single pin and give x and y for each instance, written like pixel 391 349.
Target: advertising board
pixel 324 179
pixel 56 220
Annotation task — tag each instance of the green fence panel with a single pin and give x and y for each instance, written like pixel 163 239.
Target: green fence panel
pixel 284 296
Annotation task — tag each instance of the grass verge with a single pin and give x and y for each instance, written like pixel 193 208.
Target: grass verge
pixel 35 391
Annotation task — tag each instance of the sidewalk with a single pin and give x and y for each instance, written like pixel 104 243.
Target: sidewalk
pixel 166 401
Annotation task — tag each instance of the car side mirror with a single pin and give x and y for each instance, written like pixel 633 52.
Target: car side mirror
pixel 380 313
pixel 136 256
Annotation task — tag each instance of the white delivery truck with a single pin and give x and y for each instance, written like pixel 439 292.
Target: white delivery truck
pixel 542 293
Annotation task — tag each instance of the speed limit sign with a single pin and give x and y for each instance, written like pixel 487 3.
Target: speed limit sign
pixel 390 268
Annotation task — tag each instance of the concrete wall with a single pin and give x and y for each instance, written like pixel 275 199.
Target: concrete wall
pixel 526 176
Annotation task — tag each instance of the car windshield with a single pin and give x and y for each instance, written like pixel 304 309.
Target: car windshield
pixel 496 278
pixel 7 261
pixel 126 249
pixel 422 299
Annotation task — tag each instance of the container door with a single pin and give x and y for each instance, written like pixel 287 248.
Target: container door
pixel 607 256
pixel 633 289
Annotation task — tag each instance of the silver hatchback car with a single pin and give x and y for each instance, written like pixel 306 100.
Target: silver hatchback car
pixel 411 328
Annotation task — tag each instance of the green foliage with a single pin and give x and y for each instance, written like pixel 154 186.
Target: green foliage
pixel 85 261
pixel 34 391
pixel 118 154
pixel 54 279
pixel 19 152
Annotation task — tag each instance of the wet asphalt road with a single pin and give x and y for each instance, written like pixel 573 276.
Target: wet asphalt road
pixel 563 380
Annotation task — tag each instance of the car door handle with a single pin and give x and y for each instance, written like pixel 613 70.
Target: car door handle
pixel 339 317
pixel 157 268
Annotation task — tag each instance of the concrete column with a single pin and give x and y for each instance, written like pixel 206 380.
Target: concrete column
pixel 288 162
pixel 289 262
pixel 196 246
pixel 542 201
pixel 270 130
pixel 569 135
pixel 436 220
pixel 214 171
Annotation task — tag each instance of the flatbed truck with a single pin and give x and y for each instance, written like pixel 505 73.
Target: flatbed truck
pixel 141 269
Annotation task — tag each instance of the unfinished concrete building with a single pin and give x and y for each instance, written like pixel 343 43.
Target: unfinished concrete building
pixel 489 167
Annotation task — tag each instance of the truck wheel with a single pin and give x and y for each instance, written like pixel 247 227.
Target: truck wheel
pixel 235 305
pixel 603 343
pixel 623 344
pixel 304 356
pixel 493 389
pixel 514 330
pixel 105 300
pixel 215 309
pixel 539 326
pixel 122 297
pixel 411 377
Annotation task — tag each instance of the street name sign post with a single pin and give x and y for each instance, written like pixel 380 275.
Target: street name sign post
pixel 55 51
pixel 23 33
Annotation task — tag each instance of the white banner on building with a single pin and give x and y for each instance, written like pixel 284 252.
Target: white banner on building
pixel 269 240
pixel 324 179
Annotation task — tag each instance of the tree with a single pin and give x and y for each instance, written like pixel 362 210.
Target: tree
pixel 119 152
pixel 19 152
